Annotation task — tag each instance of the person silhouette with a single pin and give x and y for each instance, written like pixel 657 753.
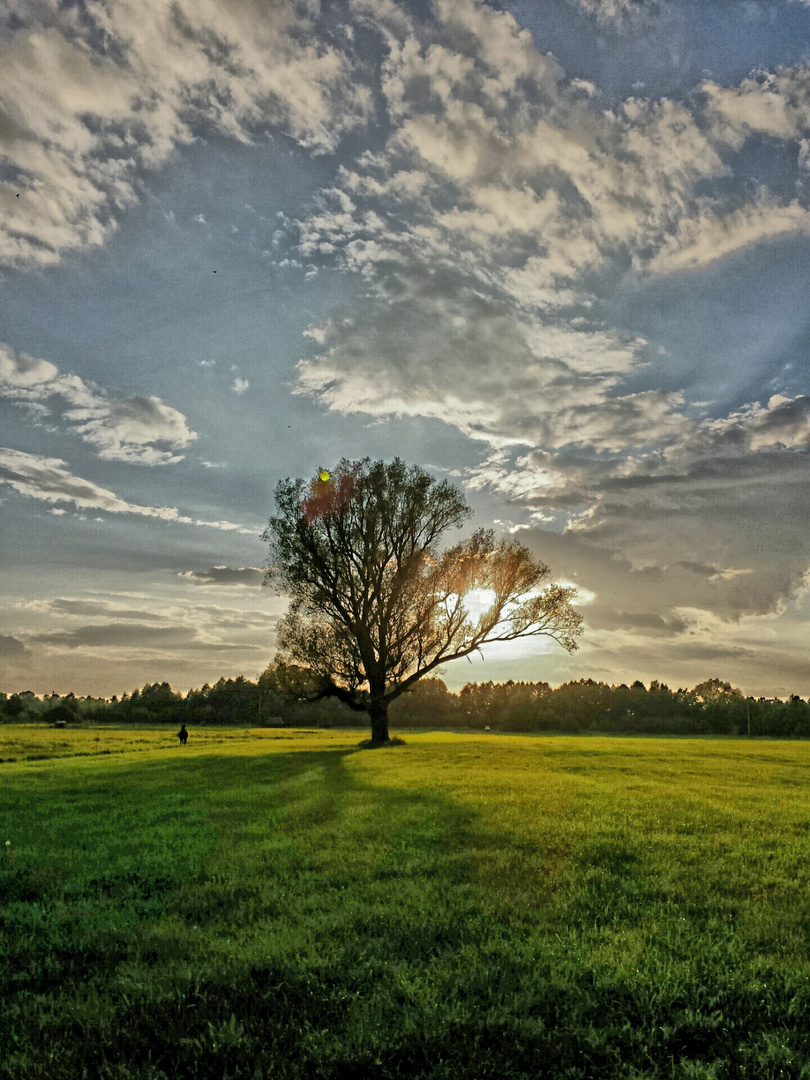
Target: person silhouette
pixel 182 735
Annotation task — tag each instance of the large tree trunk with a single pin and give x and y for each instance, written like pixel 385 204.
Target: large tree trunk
pixel 378 711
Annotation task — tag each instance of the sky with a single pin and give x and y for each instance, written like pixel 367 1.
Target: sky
pixel 557 253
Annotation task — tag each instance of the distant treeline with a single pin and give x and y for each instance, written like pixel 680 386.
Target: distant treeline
pixel 278 698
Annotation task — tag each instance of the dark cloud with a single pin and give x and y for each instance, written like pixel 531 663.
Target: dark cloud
pixel 713 652
pixel 64 606
pixel 739 604
pixel 11 648
pixel 133 636
pixel 661 587
pixel 225 575
pixel 117 635
pixel 727 536
pixel 699 568
pixel 643 622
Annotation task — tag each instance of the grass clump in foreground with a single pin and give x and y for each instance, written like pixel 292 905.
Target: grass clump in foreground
pixel 282 906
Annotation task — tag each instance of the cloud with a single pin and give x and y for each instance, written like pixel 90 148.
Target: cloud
pixel 642 622
pixel 133 636
pixel 86 608
pixel 180 611
pixel 225 575
pixel 505 201
pixel 94 95
pixel 680 452
pixel 226 526
pixel 240 385
pixel 628 546
pixel 703 547
pixel 127 429
pixel 48 479
pixel 528 182
pixel 712 573
pixel 784 423
pixel 135 429
pixel 607 11
pixel 714 652
pixel 767 103
pixel 11 648
pixel 473 362
pixel 708 237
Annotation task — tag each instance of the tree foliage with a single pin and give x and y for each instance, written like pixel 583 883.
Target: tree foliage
pixel 375 605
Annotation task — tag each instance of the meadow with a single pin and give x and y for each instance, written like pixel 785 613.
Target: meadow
pixel 281 905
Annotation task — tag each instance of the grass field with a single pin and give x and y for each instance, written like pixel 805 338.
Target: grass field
pixel 276 905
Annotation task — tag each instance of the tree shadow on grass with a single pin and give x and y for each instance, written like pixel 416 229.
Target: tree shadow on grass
pixel 336 929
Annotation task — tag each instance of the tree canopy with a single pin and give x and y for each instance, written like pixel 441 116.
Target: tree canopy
pixel 375 605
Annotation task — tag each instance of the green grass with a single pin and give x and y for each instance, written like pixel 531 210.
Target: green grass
pixel 282 905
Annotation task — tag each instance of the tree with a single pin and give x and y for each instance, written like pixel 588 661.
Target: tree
pixel 427 703
pixel 61 713
pixel 375 605
pixel 14 706
pixel 715 691
pixel 721 704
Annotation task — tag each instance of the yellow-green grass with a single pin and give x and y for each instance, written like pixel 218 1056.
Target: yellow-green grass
pixel 37 741
pixel 281 904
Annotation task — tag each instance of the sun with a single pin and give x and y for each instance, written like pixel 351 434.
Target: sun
pixel 477 601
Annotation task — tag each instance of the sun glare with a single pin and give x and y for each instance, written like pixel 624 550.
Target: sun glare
pixel 477 601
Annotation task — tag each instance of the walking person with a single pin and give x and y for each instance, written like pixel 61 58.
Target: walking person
pixel 182 735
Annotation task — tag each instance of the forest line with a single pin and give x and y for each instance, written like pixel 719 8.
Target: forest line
pixel 713 707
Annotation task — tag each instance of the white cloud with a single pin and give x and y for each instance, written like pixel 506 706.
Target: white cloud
pixel 91 96
pixel 240 385
pixel 784 423
pixel 704 239
pixel 612 10
pixel 568 480
pixel 768 103
pixel 478 365
pixel 226 526
pixel 229 576
pixel 142 430
pixel 48 479
pixel 504 201
pixel 482 273
pixel 536 162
